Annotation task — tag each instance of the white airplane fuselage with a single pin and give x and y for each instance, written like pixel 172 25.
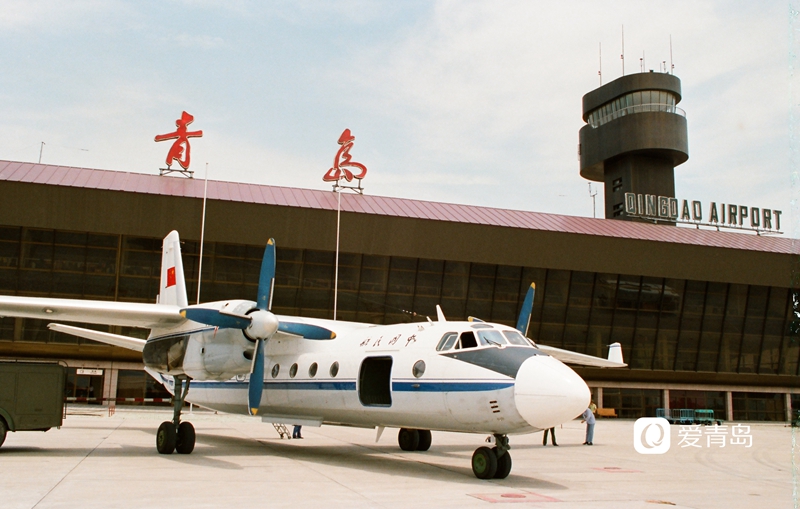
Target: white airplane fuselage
pixel 391 376
pixel 466 376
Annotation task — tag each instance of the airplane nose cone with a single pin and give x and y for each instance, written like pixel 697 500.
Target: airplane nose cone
pixel 548 393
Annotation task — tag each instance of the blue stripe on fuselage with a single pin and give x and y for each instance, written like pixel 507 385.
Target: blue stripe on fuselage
pixel 449 386
pixel 462 386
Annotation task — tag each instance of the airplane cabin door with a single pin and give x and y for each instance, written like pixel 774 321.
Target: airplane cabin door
pixel 375 382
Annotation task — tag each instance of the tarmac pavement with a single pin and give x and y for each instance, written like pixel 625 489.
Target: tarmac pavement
pixel 97 461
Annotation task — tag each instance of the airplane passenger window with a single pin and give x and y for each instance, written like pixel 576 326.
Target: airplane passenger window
pixel 419 369
pixel 515 338
pixel 491 338
pixel 293 370
pixel 312 370
pixel 447 341
pixel 467 340
pixel 275 370
pixel 334 369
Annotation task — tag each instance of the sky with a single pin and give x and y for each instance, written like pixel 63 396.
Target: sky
pixel 472 102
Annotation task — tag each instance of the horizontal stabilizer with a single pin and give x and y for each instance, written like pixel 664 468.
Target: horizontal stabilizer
pixel 581 359
pixel 103 337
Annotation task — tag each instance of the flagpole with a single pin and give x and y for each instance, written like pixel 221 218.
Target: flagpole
pixel 335 174
pixel 338 192
pixel 202 235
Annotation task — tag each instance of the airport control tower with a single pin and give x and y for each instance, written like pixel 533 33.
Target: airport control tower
pixel 634 138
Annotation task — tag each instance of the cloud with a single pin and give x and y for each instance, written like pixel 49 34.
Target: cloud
pixel 198 41
pixel 25 15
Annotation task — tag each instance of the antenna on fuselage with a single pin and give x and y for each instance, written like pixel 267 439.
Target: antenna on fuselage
pixel 440 314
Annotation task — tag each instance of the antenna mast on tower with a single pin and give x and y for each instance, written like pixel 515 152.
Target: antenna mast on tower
pixel 671 65
pixel 622 55
pixel 600 60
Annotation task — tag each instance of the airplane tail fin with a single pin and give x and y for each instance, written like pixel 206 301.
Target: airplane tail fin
pixel 173 283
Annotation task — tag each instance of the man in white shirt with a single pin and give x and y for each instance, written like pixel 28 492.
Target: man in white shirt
pixel 588 418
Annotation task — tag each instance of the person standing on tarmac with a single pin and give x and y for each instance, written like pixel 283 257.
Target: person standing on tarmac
pixel 588 418
pixel 552 432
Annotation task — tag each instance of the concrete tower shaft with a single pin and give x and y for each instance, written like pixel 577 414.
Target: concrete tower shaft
pixel 633 138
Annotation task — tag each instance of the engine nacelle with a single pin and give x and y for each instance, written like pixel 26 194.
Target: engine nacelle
pixel 216 354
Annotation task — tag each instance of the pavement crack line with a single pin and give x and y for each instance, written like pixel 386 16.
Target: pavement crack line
pixel 56 485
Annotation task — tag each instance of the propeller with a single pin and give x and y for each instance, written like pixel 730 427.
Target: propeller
pixel 262 326
pixel 258 324
pixel 525 313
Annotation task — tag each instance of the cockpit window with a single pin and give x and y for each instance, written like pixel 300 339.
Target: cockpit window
pixel 491 338
pixel 447 341
pixel 480 325
pixel 515 338
pixel 467 340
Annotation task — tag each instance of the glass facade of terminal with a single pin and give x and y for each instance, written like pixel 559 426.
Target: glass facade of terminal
pixel 662 323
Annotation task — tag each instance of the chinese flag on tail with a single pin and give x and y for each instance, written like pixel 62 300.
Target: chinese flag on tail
pixel 170 277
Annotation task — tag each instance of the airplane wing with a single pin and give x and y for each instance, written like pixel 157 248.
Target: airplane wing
pixel 568 357
pixel 103 337
pixel 131 314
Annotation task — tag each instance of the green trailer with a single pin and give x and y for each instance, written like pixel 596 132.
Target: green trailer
pixel 31 396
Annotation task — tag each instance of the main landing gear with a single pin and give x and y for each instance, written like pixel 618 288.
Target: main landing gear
pixel 175 435
pixel 414 439
pixel 487 462
pixel 492 463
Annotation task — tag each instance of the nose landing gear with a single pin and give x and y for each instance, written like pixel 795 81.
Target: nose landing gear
pixel 175 435
pixel 494 463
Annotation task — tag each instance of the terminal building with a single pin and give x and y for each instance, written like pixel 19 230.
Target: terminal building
pixel 703 315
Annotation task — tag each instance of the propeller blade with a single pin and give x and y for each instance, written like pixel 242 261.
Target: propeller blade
pixel 525 313
pixel 256 379
pixel 474 319
pixel 215 318
pixel 306 330
pixel 266 277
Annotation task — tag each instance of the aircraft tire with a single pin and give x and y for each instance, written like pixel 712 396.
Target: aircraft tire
pixel 408 439
pixel 185 439
pixel 424 440
pixel 503 464
pixel 166 438
pixel 484 463
pixel 3 430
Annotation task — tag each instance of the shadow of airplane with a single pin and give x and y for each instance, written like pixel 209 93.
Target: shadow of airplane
pixel 212 450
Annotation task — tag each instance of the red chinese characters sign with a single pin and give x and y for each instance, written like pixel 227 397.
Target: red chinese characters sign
pixel 343 165
pixel 180 150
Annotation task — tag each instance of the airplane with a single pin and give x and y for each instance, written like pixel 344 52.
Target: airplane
pixel 238 357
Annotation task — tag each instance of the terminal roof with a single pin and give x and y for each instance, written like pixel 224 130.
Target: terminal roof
pixel 107 180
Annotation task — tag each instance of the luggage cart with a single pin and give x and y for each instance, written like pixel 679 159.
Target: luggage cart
pixel 704 416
